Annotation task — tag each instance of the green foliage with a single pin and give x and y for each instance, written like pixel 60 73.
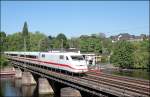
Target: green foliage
pixel 141 54
pixel 14 42
pixel 104 59
pixel 107 45
pixel 45 44
pixel 37 41
pixel 26 37
pixel 61 41
pixel 74 43
pixel 2 41
pixel 3 61
pixel 123 54
pixel 90 44
pixel 25 30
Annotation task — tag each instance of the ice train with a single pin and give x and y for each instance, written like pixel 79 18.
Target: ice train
pixel 68 61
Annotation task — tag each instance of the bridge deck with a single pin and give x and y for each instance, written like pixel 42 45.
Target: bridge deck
pixel 96 83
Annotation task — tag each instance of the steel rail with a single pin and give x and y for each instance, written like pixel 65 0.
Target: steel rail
pixel 123 78
pixel 119 81
pixel 120 85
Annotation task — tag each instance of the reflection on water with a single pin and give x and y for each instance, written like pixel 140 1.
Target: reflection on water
pixel 18 86
pixel 13 87
pixel 8 88
pixel 46 95
pixel 28 91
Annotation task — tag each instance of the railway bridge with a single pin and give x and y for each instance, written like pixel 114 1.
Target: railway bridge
pixel 94 82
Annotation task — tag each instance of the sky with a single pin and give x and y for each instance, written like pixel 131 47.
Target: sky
pixel 75 18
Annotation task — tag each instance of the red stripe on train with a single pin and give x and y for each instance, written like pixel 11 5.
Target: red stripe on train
pixel 51 63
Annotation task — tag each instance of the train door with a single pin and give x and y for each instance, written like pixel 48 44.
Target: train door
pixel 61 61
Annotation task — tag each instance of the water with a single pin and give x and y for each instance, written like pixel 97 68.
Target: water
pixel 136 73
pixel 12 87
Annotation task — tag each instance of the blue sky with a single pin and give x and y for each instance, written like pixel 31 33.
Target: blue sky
pixel 75 18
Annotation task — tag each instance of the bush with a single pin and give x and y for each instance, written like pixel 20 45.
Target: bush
pixel 122 54
pixel 3 61
pixel 104 59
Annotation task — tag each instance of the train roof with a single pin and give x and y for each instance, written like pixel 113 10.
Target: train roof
pixel 37 53
pixel 23 53
pixel 61 53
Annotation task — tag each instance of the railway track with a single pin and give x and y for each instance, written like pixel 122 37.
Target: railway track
pixel 135 85
pixel 120 85
pixel 122 78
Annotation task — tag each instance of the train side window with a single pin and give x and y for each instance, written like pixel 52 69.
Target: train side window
pixel 21 55
pixel 43 55
pixel 61 57
pixel 13 54
pixel 31 56
pixel 67 58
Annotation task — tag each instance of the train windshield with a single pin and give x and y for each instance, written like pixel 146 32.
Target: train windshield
pixel 77 57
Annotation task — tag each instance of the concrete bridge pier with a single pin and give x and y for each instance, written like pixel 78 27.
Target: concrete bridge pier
pixel 28 79
pixel 18 73
pixel 44 87
pixel 69 92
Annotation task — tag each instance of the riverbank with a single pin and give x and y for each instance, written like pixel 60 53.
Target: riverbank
pixel 7 71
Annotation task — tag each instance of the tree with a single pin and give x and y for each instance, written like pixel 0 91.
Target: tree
pixel 45 44
pixel 90 44
pixel 61 36
pixel 141 54
pixel 123 54
pixel 2 41
pixel 26 37
pixel 14 42
pixel 107 45
pixel 50 37
pixel 101 35
pixel 3 61
pixel 38 41
pixel 25 30
pixel 61 39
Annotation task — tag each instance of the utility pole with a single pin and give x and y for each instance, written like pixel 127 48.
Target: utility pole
pixel 61 44
pixel 102 46
pixel 24 44
pixel 39 45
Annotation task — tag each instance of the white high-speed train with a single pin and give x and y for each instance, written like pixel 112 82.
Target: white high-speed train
pixel 69 61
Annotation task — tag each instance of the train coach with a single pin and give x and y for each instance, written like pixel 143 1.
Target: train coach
pixel 68 61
